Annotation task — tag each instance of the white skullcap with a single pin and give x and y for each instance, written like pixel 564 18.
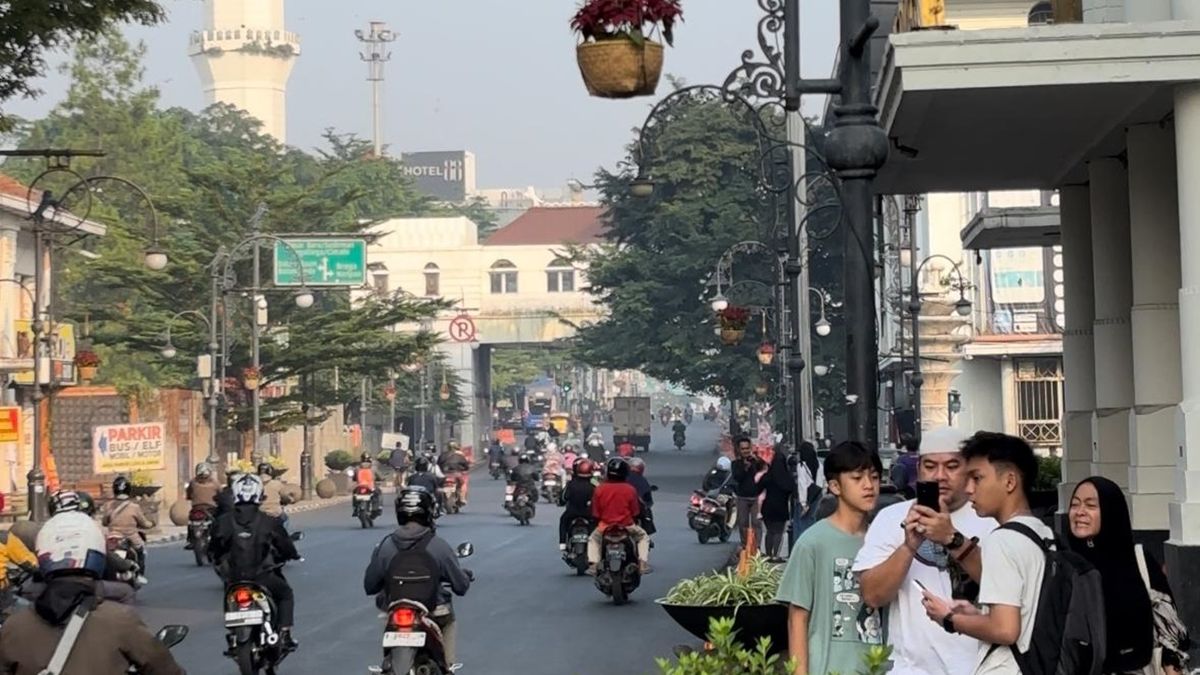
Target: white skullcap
pixel 942 439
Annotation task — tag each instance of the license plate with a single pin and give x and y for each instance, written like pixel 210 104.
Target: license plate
pixel 579 539
pixel 403 640
pixel 702 521
pixel 508 498
pixel 362 498
pixel 248 617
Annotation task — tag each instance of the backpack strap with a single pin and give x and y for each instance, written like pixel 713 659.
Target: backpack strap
pixel 1028 532
pixel 62 651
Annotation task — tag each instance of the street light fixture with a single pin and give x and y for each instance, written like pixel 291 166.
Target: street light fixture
pixel 156 258
pixel 168 351
pixel 304 298
pixel 641 186
pixel 823 328
pixel 720 303
pixel 821 370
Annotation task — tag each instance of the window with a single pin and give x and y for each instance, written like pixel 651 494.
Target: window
pixel 381 283
pixel 432 279
pixel 504 277
pixel 560 276
pixel 1041 14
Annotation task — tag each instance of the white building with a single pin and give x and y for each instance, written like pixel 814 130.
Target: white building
pixel 1107 112
pixel 245 56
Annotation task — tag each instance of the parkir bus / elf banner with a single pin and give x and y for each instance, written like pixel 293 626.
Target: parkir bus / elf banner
pixel 122 448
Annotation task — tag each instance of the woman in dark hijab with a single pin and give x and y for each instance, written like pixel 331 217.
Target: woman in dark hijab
pixel 779 484
pixel 1101 532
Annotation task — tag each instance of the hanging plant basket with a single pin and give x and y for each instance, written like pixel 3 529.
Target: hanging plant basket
pixel 87 373
pixel 732 336
pixel 250 378
pixel 620 68
pixel 87 362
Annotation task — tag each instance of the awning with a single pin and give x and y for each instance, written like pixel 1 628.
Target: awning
pixel 1013 227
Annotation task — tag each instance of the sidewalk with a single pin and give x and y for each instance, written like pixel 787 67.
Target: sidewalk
pixel 171 534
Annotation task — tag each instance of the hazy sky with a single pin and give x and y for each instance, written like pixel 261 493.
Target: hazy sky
pixel 496 77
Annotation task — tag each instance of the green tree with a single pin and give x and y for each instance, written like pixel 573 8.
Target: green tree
pixel 517 366
pixel 29 29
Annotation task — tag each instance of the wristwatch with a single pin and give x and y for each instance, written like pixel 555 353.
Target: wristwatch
pixel 948 623
pixel 957 541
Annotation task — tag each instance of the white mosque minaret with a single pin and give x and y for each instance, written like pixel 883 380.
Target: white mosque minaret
pixel 244 56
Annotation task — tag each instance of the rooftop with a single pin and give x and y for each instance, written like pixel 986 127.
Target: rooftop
pixel 552 225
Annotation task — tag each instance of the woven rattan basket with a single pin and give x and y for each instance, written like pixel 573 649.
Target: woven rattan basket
pixel 619 68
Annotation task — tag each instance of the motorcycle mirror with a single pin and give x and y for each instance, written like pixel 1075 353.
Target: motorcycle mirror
pixel 297 536
pixel 465 550
pixel 654 488
pixel 171 635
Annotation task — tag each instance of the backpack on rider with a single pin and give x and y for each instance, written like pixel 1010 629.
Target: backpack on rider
pixel 413 574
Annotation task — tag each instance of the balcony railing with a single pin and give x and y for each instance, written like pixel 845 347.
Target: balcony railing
pixel 914 15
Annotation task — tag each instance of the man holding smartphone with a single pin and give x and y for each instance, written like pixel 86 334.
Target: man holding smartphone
pixel 927 543
pixel 747 486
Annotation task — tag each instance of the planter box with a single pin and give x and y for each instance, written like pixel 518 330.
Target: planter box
pixel 750 621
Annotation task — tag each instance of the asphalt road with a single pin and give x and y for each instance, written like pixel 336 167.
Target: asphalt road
pixel 526 613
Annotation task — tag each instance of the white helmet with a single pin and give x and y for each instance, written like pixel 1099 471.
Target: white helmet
pixel 724 464
pixel 71 543
pixel 248 489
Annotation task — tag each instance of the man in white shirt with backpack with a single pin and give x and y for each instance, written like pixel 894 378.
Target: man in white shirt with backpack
pixel 910 546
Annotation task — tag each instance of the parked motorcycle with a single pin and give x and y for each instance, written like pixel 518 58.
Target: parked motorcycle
pixel 712 515
pixel 577 541
pixel 551 487
pixel 253 642
pixel 452 493
pixel 364 506
pixel 618 573
pixel 200 522
pixel 518 503
pixel 412 640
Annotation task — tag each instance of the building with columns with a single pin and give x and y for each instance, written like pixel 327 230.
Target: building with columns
pixel 1103 106
pixel 245 56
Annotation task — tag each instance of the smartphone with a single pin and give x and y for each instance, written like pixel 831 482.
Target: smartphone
pixel 920 585
pixel 928 495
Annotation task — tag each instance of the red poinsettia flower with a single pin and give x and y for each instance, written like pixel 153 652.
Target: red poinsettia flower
pixel 608 19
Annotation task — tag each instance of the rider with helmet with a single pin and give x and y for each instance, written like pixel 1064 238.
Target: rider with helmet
pixel 414 513
pixel 203 489
pixel 111 637
pixel 455 465
pixel 225 496
pixel 249 545
pixel 637 478
pixel 120 575
pixel 273 499
pixel 577 498
pixel 526 474
pixel 123 516
pixel 718 478
pixel 615 502
pixel 365 476
pixel 423 477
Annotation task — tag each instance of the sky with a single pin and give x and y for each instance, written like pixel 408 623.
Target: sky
pixel 495 77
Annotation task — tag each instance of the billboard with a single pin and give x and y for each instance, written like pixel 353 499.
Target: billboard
pixel 446 176
pixel 122 448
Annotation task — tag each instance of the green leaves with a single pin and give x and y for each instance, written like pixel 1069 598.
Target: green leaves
pixel 727 656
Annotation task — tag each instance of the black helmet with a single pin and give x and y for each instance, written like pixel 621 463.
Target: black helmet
pixel 524 458
pixel 86 503
pixel 122 487
pixel 265 469
pixel 617 469
pixel 421 465
pixel 366 457
pixel 414 504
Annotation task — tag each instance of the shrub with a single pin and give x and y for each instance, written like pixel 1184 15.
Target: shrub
pixel 339 460
pixel 1049 473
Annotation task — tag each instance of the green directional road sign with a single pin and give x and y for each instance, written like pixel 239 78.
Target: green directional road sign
pixel 327 262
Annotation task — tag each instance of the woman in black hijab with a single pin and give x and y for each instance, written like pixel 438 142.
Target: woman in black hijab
pixel 1101 532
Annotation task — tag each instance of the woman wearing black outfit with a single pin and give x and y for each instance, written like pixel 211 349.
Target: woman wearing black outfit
pixel 779 484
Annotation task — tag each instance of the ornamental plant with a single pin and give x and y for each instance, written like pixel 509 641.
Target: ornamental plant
pixel 87 359
pixel 251 373
pixel 629 19
pixel 734 318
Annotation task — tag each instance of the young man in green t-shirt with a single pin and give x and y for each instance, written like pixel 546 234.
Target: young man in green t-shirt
pixel 829 625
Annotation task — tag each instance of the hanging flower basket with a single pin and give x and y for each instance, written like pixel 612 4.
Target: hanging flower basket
pixel 733 324
pixel 250 378
pixel 87 361
pixel 732 336
pixel 766 353
pixel 616 58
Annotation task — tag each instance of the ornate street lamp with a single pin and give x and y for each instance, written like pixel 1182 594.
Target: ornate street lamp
pixel 766 353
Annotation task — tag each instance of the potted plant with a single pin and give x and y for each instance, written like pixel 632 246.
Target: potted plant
pixel 766 353
pixel 733 324
pixel 277 464
pixel 250 377
pixel 87 361
pixel 617 58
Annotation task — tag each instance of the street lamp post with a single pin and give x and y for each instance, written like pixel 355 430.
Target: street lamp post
pixel 168 351
pixel 962 307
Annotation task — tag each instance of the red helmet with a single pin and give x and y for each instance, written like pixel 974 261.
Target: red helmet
pixel 582 468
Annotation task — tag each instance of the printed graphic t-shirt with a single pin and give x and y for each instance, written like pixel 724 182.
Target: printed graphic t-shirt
pixel 819 578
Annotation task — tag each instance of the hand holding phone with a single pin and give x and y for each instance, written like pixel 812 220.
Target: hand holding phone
pixel 929 495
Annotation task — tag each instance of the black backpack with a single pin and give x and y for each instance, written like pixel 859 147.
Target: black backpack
pixel 1068 624
pixel 247 551
pixel 413 574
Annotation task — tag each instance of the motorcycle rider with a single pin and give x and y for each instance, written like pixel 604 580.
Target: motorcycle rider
pixel 225 496
pixel 552 461
pixel 615 502
pixel 624 449
pixel 273 499
pixel 120 575
pixel 414 513
pixel 679 433
pixel 526 474
pixel 273 546
pixel 453 461
pixel 495 452
pixel 365 475
pixel 423 478
pixel 202 491
pixel 124 516
pixel 111 637
pixel 637 478
pixel 577 498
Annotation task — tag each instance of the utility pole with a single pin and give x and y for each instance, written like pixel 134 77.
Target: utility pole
pixel 375 41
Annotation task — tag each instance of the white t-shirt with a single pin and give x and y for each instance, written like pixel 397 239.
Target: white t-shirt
pixel 920 646
pixel 1012 575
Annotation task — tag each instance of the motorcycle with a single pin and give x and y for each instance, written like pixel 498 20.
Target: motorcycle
pixel 618 573
pixel 253 642
pixel 596 449
pixel 577 541
pixel 200 522
pixel 412 640
pixel 551 487
pixel 687 415
pixel 518 503
pixel 710 415
pixel 122 547
pixel 679 440
pixel 364 506
pixel 496 470
pixel 452 493
pixel 711 515
pixel 664 417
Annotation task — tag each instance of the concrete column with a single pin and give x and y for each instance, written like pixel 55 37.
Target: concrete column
pixel 1143 11
pixel 1111 279
pixel 1154 319
pixel 1079 355
pixel 1183 10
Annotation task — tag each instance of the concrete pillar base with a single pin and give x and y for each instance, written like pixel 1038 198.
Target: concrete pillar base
pixel 1110 445
pixel 1151 479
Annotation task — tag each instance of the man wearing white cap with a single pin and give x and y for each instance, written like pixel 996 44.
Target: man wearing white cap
pixel 909 547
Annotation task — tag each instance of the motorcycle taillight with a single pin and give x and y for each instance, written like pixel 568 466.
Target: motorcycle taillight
pixel 403 617
pixel 695 500
pixel 242 597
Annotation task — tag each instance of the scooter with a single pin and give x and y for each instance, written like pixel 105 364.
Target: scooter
pixel 578 533
pixel 452 493
pixel 711 515
pixel 200 522
pixel 496 470
pixel 551 487
pixel 123 548
pixel 251 638
pixel 412 640
pixel 618 573
pixel 518 503
pixel 364 506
